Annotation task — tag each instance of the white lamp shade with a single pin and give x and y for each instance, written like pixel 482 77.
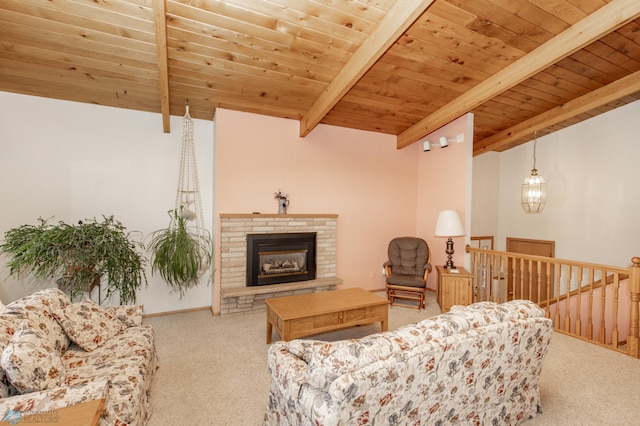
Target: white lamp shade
pixel 449 224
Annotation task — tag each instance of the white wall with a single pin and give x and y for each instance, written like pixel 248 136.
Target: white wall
pixel 591 170
pixel 485 194
pixel 75 161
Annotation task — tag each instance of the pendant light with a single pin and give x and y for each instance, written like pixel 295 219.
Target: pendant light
pixel 534 188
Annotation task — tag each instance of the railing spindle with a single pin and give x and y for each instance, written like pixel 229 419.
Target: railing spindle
pixel 616 286
pixel 590 320
pixel 556 321
pixel 578 329
pixel 567 312
pixel 603 324
pixel 634 289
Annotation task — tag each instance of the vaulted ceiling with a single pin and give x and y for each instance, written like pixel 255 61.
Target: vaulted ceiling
pixel 404 67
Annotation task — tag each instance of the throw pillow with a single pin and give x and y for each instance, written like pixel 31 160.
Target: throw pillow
pixel 130 315
pixel 88 324
pixel 30 363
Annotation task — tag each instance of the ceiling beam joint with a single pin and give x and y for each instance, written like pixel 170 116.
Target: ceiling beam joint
pixel 401 16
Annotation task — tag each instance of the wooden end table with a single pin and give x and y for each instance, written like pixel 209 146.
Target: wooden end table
pixel 454 288
pixel 306 314
pixel 81 414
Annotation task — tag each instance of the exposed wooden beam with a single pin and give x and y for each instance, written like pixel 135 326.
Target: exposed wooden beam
pixel 160 23
pixel 609 93
pixel 603 21
pixel 393 25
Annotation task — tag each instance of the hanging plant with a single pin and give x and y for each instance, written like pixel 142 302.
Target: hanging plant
pixel 181 255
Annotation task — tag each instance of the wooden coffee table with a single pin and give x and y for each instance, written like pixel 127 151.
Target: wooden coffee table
pixel 306 314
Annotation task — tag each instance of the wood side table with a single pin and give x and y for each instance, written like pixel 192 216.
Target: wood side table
pixel 81 414
pixel 454 288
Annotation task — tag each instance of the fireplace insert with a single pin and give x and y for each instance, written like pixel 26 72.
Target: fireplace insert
pixel 280 258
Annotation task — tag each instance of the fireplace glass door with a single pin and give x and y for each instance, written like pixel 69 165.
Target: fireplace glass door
pixel 280 258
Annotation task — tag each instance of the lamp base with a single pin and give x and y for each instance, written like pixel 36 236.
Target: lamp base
pixel 449 264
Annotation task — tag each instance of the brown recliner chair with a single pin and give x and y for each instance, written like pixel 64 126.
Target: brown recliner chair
pixel 407 269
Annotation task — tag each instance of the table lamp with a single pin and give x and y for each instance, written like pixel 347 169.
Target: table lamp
pixel 449 225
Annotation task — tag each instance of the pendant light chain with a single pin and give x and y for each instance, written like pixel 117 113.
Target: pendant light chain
pixel 535 143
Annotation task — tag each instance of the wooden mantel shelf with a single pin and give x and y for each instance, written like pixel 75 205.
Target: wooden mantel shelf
pixel 260 215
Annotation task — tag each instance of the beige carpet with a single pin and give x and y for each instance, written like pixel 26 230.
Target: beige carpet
pixel 213 372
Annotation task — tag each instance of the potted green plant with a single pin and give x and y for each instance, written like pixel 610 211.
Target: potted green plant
pixel 179 253
pixel 77 256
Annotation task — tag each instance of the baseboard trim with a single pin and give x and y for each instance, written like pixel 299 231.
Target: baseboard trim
pixel 181 311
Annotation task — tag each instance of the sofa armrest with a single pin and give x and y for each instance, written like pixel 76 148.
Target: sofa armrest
pixel 288 370
pixel 54 399
pixel 288 381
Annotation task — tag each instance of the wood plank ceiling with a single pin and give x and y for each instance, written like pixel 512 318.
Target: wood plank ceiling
pixel 402 67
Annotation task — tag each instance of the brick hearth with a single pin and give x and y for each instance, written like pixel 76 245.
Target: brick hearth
pixel 235 296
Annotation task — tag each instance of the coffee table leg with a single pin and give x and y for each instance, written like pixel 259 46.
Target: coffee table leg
pixel 269 327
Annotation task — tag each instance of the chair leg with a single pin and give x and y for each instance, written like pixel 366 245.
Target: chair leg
pixel 408 293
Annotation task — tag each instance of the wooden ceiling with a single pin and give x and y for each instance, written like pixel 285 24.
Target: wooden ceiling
pixel 404 67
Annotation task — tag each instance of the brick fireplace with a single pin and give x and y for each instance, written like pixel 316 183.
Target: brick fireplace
pixel 235 295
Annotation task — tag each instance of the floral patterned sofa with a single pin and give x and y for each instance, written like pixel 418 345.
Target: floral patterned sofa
pixel 56 353
pixel 478 364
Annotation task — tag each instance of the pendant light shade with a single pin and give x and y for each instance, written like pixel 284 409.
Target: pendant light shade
pixel 534 189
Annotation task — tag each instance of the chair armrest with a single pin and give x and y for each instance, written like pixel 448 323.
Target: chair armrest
pixel 427 270
pixel 387 267
pixel 54 399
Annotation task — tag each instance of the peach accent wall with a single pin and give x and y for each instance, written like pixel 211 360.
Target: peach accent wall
pixel 444 184
pixel 375 189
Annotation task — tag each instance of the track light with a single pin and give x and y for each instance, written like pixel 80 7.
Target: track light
pixel 443 142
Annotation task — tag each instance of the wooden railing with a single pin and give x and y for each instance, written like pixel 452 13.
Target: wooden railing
pixel 598 303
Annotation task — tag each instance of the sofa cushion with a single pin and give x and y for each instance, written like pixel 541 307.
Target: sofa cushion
pixel 30 363
pixel 127 362
pixel 88 324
